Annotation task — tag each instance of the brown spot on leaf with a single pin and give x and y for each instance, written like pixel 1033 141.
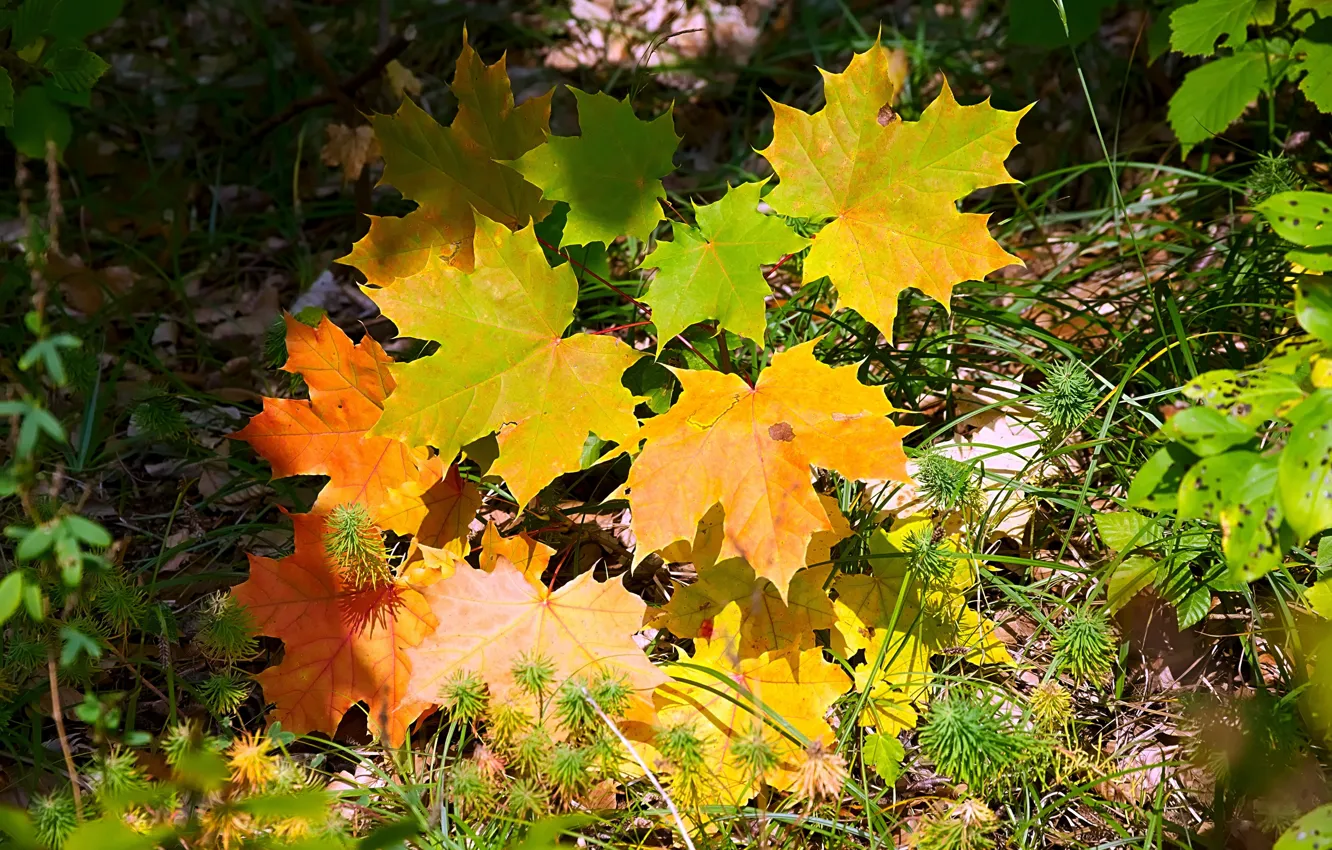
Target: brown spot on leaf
pixel 782 432
pixel 886 115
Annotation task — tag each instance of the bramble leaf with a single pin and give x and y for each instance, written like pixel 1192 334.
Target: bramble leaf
pixel 890 188
pixel 751 449
pixel 1195 27
pixel 343 646
pixel 712 271
pixel 504 364
pixel 610 175
pixel 1215 94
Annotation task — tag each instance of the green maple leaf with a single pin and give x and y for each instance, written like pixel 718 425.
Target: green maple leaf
pixel 452 171
pixel 712 271
pixel 504 364
pixel 610 175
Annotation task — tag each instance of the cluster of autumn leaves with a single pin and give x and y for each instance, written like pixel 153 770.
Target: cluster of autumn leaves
pixel 723 479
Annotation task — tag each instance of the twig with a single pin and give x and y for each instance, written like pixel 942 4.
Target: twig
pixel 349 86
pixel 652 777
pixel 57 715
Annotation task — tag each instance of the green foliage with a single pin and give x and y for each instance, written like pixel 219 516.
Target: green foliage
pixel 948 485
pixel 1068 396
pixel 1084 646
pixel 1214 95
pixel 355 545
pixel 464 697
pixel 224 692
pixel 53 816
pixel 227 632
pixel 973 741
pixel 928 560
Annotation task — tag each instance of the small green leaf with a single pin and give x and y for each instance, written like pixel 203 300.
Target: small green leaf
pixel 87 531
pixel 1126 530
pixel 1304 218
pixel 74 69
pixel 1211 485
pixel 884 755
pixel 1214 95
pixel 75 643
pixel 32 20
pixel 1319 598
pixel 1156 486
pixel 1317 65
pixel 1128 579
pixel 1313 831
pixel 1193 607
pixel 33 602
pixel 1206 431
pixel 1304 478
pixel 1195 28
pixel 11 593
pixel 36 119
pixel 1313 305
pixel 36 543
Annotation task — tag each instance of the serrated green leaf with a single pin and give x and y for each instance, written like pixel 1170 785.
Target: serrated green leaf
pixel 32 20
pixel 1304 218
pixel 1210 486
pixel 610 175
pixel 1214 95
pixel 36 119
pixel 712 271
pixel 1125 530
pixel 884 755
pixel 1304 476
pixel 1313 305
pixel 1129 578
pixel 6 99
pixel 1195 28
pixel 1193 607
pixel 74 69
pixel 1317 68
pixel 1156 486
pixel 1312 831
pixel 1206 431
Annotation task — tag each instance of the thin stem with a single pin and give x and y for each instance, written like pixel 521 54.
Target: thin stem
pixel 58 716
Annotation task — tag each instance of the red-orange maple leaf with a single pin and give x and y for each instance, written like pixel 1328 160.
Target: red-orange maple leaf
pixel 342 646
pixel 326 435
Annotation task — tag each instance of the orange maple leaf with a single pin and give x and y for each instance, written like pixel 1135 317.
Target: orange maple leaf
pixel 326 435
pixel 750 450
pixel 495 618
pixel 451 171
pixel 436 508
pixel 342 646
pixel 890 187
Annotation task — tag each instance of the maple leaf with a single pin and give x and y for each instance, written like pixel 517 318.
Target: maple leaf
pixel 750 450
pixel 495 618
pixel 610 175
pixel 454 171
pixel 503 363
pixel 767 621
pixel 326 435
pixel 342 646
pixel 525 554
pixel 728 696
pixel 437 508
pixel 890 187
pixel 712 271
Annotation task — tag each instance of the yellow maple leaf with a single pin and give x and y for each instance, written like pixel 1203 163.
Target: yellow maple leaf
pixel 751 450
pixel 783 694
pixel 890 187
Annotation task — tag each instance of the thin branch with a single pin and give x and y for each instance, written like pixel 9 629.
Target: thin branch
pixel 58 715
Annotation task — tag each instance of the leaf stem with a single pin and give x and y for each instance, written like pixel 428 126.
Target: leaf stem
pixel 58 716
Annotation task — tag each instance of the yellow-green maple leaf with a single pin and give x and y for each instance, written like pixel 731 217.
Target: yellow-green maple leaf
pixel 890 187
pixel 610 175
pixel 503 363
pixel 452 171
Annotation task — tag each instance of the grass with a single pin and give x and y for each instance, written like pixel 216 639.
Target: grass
pixel 1142 268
